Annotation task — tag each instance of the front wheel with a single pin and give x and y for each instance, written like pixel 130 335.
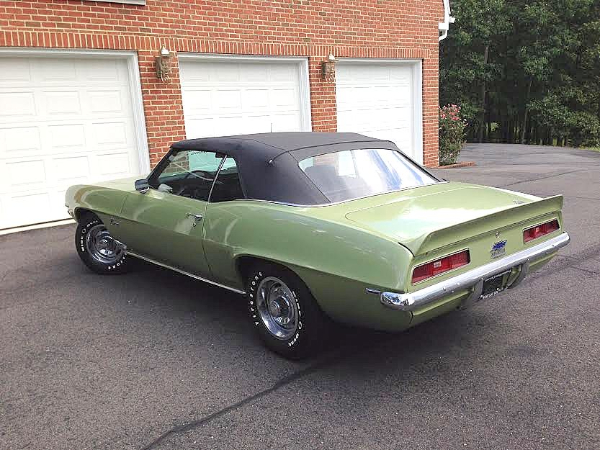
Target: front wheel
pixel 98 249
pixel 284 312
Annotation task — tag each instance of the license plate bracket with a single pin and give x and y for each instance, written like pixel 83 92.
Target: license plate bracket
pixel 495 284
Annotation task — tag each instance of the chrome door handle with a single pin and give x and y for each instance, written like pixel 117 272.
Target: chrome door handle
pixel 197 217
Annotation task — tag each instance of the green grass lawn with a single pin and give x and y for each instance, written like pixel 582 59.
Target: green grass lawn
pixel 596 149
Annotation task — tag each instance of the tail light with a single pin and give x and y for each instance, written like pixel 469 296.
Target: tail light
pixel 433 268
pixel 540 230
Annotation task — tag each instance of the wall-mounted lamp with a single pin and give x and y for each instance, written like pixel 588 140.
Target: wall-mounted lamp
pixel 163 64
pixel 328 68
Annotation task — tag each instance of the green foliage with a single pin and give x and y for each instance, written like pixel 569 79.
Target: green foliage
pixel 532 67
pixel 452 134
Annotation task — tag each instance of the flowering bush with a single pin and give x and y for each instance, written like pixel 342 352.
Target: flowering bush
pixel 452 134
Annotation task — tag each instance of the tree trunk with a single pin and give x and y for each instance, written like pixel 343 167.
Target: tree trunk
pixel 483 91
pixel 524 127
pixel 488 119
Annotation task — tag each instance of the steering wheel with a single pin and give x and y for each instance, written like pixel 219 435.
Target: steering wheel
pixel 189 174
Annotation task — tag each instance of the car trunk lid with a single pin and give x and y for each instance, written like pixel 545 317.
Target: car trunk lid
pixel 462 213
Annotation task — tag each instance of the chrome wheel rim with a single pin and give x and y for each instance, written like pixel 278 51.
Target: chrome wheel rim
pixel 101 246
pixel 277 308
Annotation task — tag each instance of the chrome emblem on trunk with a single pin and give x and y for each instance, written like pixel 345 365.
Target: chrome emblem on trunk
pixel 498 249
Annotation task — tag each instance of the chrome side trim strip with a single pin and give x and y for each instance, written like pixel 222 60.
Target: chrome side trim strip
pixel 183 272
pixel 474 278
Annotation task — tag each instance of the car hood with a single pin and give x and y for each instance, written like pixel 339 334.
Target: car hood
pixel 413 216
pixel 122 184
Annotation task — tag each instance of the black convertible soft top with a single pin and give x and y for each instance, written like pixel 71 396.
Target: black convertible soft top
pixel 268 162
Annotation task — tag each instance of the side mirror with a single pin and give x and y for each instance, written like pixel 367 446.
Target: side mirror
pixel 142 185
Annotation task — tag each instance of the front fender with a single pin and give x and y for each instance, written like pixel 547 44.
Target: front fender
pixel 102 201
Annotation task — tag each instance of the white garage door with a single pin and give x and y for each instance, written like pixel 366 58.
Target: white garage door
pixel 381 100
pixel 63 121
pixel 243 95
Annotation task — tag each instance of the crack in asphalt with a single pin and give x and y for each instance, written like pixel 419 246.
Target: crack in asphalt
pixel 589 254
pixel 582 198
pixel 585 270
pixel 325 360
pixel 543 178
pixel 570 262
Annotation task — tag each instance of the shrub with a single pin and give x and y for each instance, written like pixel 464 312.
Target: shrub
pixel 452 134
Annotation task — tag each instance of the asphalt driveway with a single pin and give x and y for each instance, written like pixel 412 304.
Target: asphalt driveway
pixel 155 360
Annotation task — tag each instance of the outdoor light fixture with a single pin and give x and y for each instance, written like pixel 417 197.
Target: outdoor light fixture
pixel 328 68
pixel 163 64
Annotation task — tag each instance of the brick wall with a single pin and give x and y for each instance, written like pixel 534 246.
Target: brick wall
pixel 310 28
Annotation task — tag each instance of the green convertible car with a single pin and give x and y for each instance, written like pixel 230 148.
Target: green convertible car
pixel 317 226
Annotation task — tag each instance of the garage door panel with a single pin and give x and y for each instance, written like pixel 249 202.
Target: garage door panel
pixel 199 101
pixel 67 136
pixel 14 70
pixel 256 72
pixel 61 103
pixel 199 127
pixel 211 127
pixel 255 99
pixel 286 99
pixel 112 165
pixel 33 207
pixel 284 122
pixel 31 174
pixel 109 71
pixel 113 135
pixel 257 124
pixel 54 70
pixel 283 73
pixel 228 97
pixel 70 120
pixel 21 141
pixel 107 101
pixel 71 169
pixel 224 72
pixel 13 104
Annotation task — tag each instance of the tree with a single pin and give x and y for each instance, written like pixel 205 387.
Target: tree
pixel 525 71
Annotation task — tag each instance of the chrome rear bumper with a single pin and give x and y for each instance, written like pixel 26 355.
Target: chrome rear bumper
pixel 473 279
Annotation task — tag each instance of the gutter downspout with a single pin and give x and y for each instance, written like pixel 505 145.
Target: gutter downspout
pixel 448 19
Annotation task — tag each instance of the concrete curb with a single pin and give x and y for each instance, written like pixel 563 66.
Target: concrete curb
pixel 458 165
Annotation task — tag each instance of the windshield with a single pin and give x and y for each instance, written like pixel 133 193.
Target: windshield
pixel 351 174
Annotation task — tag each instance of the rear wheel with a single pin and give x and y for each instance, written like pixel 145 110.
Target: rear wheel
pixel 284 312
pixel 98 249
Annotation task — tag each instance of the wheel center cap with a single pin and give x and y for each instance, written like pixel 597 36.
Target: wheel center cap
pixel 274 308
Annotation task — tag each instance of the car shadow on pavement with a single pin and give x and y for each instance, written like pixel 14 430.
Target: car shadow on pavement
pixel 228 311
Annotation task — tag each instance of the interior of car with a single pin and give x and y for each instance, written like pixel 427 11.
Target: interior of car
pixel 191 175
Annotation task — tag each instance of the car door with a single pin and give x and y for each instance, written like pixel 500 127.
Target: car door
pixel 165 223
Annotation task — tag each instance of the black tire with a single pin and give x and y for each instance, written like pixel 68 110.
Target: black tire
pixel 121 263
pixel 311 321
